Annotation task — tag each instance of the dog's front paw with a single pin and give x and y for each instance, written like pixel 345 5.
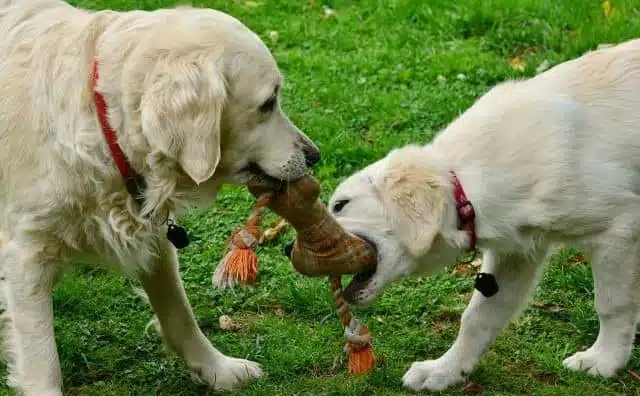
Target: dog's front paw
pixel 229 373
pixel 433 375
pixel 595 362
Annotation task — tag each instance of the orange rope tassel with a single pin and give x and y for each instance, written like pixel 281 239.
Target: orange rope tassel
pixel 358 346
pixel 240 264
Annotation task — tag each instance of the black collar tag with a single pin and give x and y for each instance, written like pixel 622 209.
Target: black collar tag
pixel 486 284
pixel 177 235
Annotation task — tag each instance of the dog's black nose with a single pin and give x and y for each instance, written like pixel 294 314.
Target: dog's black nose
pixel 311 156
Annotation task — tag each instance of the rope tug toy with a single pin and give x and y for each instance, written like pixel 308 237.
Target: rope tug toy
pixel 322 248
pixel 240 264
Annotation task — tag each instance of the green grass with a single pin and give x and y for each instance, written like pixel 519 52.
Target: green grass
pixel 367 80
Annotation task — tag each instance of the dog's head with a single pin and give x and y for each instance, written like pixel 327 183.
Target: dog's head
pixel 404 206
pixel 208 103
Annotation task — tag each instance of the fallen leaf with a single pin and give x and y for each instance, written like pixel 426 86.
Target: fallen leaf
pixel 226 323
pixel 271 233
pixel 251 4
pixel 607 7
pixel 442 79
pixel 473 387
pixel 329 13
pixel 281 312
pixel 273 35
pixel 579 259
pixel 517 64
pixel 461 77
pixel 634 375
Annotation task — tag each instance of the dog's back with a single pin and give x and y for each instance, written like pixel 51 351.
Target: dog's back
pixel 567 142
pixel 43 50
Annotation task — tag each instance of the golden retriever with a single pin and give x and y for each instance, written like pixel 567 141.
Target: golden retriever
pixel 547 160
pixel 192 95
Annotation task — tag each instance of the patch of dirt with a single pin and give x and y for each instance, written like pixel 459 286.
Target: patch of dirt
pixel 546 378
pixel 473 387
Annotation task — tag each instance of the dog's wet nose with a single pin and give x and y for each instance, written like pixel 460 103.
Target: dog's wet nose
pixel 311 156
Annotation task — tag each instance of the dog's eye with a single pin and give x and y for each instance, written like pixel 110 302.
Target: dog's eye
pixel 268 106
pixel 339 205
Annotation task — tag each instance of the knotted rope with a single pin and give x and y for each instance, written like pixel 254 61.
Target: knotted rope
pixel 240 266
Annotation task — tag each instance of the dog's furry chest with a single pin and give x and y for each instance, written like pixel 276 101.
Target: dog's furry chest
pixel 116 236
pixel 102 229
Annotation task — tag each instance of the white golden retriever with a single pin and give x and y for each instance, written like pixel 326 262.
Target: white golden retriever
pixel 192 95
pixel 552 159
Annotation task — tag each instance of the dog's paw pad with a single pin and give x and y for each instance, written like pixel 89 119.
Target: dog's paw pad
pixel 432 375
pixel 229 373
pixel 593 362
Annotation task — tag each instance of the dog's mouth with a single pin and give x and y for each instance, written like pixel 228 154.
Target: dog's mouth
pixel 256 175
pixel 360 282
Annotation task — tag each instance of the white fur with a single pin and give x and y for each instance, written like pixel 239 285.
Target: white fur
pixel 552 159
pixel 184 88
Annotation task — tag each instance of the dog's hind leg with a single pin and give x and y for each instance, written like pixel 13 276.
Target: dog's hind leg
pixel 617 290
pixel 167 296
pixel 30 271
pixel 481 322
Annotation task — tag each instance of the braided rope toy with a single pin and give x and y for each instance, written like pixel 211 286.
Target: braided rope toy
pixel 321 248
pixel 240 263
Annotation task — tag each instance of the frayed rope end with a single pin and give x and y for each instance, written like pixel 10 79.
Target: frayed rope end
pixel 239 266
pixel 358 348
pixel 361 360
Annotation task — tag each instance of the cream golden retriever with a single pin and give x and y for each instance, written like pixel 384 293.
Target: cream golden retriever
pixel 547 160
pixel 192 95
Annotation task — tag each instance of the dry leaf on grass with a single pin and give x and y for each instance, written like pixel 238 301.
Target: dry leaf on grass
pixel 473 387
pixel 329 12
pixel 579 259
pixel 227 324
pixel 517 63
pixel 271 233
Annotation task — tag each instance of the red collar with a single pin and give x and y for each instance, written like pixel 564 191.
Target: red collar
pixel 133 180
pixel 466 214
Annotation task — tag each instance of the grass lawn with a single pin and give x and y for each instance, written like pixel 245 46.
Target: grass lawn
pixel 374 76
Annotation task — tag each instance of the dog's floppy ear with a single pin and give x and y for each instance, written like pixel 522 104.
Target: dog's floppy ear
pixel 180 115
pixel 413 199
